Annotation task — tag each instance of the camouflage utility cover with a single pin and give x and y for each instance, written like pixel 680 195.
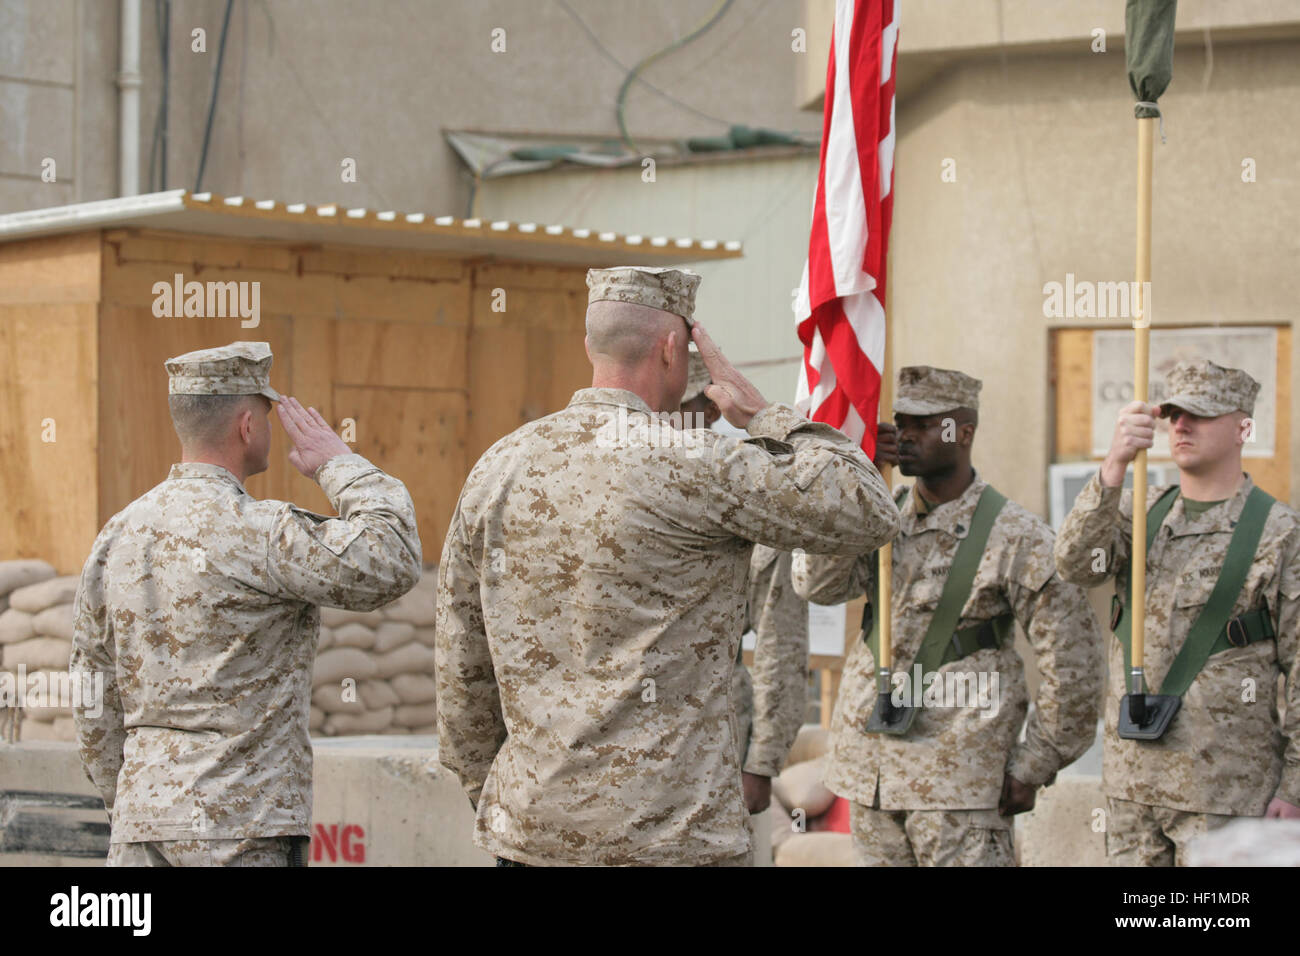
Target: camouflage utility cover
pixel 1209 390
pixel 669 290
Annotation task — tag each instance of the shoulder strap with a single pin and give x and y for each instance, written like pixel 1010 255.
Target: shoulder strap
pixel 1218 609
pixel 956 589
pixel 1156 516
pixel 1159 511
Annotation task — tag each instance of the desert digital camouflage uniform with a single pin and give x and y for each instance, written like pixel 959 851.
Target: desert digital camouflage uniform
pixel 198 604
pixel 770 698
pixel 591 593
pixel 1225 754
pixel 930 797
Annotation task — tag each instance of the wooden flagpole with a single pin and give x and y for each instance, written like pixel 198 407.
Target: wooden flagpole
pixel 1141 347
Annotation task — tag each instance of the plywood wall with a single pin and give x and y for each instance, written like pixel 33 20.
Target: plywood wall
pixel 49 289
pixel 1072 374
pixel 406 347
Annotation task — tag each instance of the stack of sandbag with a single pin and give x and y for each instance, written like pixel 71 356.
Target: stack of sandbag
pixel 36 636
pixel 374 670
pixel 802 805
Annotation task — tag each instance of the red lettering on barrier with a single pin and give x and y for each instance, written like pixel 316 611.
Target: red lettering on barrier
pixel 353 852
pixel 326 839
pixel 327 842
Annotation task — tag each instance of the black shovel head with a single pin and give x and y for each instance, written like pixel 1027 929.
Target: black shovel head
pixel 1146 716
pixel 889 718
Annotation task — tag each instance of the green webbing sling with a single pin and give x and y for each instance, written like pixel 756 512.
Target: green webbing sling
pixel 938 645
pixel 1209 634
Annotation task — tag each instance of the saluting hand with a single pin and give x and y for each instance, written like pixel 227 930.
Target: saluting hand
pixel 314 442
pixel 735 395
pixel 1279 809
pixel 1135 430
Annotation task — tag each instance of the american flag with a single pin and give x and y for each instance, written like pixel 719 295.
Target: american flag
pixel 840 306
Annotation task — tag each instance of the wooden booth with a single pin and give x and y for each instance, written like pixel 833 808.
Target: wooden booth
pixel 422 340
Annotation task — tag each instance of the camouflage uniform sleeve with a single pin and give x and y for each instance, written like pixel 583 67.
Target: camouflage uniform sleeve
pixel 780 672
pixel 800 484
pixel 1067 642
pixel 366 557
pixel 1288 655
pixel 1097 521
pixel 831 579
pixel 101 737
pixel 471 727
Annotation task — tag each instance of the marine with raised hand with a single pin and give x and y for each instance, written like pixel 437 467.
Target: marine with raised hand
pixel 1224 753
pixel 199 606
pixel 592 586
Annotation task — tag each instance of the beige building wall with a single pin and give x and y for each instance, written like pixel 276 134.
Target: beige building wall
pixel 307 83
pixel 1044 150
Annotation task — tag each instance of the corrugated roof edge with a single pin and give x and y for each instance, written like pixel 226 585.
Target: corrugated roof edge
pixel 206 213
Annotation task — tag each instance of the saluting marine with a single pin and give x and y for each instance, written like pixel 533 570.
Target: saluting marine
pixel 198 605
pixel 967 566
pixel 1222 622
pixel 592 586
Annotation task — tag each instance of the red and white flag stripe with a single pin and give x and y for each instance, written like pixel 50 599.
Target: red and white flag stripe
pixel 839 310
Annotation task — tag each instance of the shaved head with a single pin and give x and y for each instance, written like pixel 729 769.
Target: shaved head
pixel 625 333
pixel 203 421
pixel 640 349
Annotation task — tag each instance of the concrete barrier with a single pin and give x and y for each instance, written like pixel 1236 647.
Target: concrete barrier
pixel 377 801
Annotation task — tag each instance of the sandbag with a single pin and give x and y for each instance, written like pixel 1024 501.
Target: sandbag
pixel 16 626
pixel 415 715
pixel 391 635
pixel 354 635
pixel 337 617
pixel 55 622
pixel 428 730
pixel 426 635
pixel 316 718
pixel 377 693
pixel 816 849
pixel 372 722
pixel 416 607
pixel 40 730
pixel 39 654
pixel 410 658
pixel 329 698
pixel 801 787
pixel 35 598
pixel 19 574
pixel 415 688
pixel 46 715
pixel 340 662
pixel 812 741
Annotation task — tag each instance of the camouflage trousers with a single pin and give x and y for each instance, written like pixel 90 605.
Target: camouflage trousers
pixel 1141 835
pixel 251 851
pixel 930 837
pixel 745 859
